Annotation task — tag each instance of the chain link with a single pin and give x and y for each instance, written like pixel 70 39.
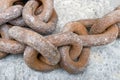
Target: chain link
pixel 26 26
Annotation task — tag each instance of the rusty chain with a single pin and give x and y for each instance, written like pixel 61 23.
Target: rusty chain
pixel 26 26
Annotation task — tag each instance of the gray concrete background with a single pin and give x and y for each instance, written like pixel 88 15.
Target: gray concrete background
pixel 104 61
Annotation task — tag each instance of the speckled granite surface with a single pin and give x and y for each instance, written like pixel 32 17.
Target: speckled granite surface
pixel 104 61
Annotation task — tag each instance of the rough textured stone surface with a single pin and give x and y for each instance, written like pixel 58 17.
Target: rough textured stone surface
pixel 104 61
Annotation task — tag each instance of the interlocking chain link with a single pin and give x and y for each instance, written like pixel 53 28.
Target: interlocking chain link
pixel 26 26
